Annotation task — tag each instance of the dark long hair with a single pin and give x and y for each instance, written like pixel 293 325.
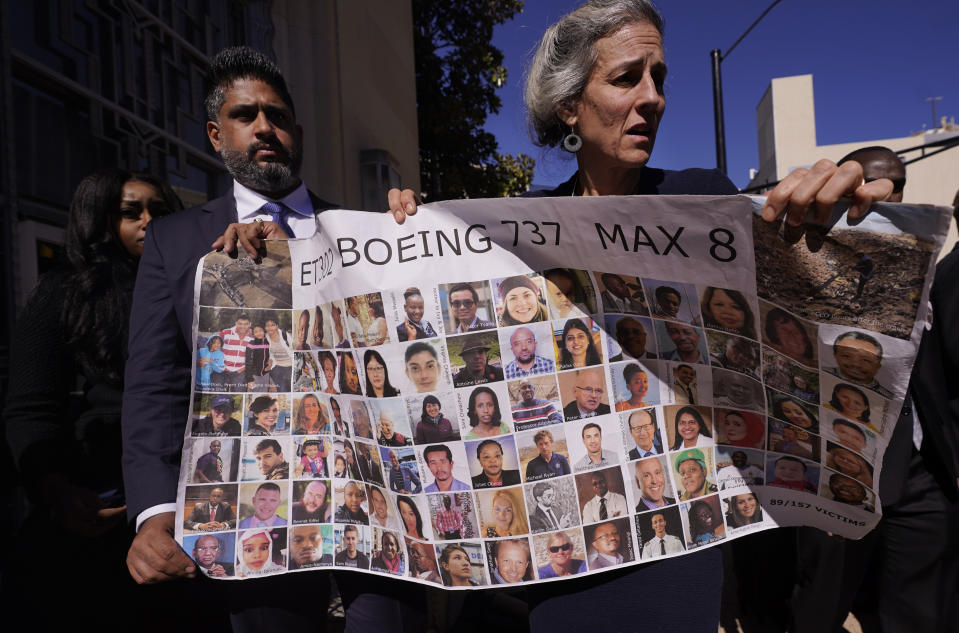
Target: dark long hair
pixel 100 272
pixel 592 354
pixel 388 389
pixel 471 408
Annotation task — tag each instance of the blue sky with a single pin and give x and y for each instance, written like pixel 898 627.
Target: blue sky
pixel 873 64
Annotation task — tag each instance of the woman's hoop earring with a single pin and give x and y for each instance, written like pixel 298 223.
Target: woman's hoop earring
pixel 572 143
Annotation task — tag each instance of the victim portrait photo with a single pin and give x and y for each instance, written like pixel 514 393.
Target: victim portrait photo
pixel 209 508
pixel 534 402
pixel 311 415
pixel 569 293
pixel 260 552
pixel 630 336
pixel 366 320
pixel 621 293
pixel 601 493
pixel 792 440
pixel 312 501
pixel 660 533
pixel 704 521
pixel 263 504
pixel 694 472
pixel 502 512
pixel 791 409
pixel 736 427
pixel 380 372
pixel 519 299
pixel 552 504
pixel 216 415
pixel 266 459
pixel 527 350
pixel 734 353
pixel 267 414
pixel 510 561
pixel 855 403
pixel 417 311
pixel 727 310
pixel 789 377
pixel 577 343
pixel 559 554
pixel 584 393
pixel 433 418
pixel 462 564
pixel 310 456
pixel 682 343
pixel 636 384
pixel 475 359
pixel 610 543
pixel 788 334
pixel 453 516
pixel 482 411
pixel 400 470
pixel 737 467
pixel 388 555
pixel 212 553
pixel 311 546
pixel 673 301
pixel 425 367
pixel 543 453
pixel 214 460
pixel 467 307
pixel 391 426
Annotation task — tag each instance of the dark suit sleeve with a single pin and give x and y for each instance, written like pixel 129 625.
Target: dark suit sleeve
pixel 156 399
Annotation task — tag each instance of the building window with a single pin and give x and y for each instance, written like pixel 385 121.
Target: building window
pixel 377 176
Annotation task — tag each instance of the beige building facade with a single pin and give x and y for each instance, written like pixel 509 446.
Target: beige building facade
pixel 786 124
pixel 350 68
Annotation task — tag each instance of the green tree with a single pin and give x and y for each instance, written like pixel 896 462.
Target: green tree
pixel 458 71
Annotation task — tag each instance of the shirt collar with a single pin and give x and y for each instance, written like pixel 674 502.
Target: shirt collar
pixel 248 202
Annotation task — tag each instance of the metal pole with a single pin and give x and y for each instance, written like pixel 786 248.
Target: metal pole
pixel 718 121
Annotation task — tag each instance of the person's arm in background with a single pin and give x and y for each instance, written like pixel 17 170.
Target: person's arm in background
pixel 39 416
pixel 156 403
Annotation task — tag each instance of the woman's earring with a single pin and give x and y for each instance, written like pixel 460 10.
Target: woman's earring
pixel 572 143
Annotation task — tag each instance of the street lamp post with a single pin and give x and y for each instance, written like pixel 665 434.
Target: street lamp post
pixel 717 58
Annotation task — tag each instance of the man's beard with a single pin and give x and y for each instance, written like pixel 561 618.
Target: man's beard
pixel 270 177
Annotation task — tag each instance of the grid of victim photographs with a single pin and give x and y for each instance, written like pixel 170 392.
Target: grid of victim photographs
pixel 518 428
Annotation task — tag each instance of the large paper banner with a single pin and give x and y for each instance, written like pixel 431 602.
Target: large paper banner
pixel 512 391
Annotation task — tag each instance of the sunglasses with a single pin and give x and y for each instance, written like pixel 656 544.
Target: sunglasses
pixel 565 547
pixel 468 303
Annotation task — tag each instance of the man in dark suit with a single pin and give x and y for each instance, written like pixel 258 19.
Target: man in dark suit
pixel 369 467
pixel 252 125
pixel 206 550
pixel 216 514
pixel 590 387
pixel 543 518
pixel 907 569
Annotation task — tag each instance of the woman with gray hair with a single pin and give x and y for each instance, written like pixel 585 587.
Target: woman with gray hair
pixel 596 87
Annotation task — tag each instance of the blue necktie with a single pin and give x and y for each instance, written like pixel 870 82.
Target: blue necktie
pixel 279 213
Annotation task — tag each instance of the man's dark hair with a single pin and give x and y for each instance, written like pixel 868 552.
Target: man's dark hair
pixel 606 276
pixel 787 458
pixel 265 444
pixel 241 62
pixel 858 336
pixel 438 448
pixel 350 528
pixel 591 425
pixel 841 422
pixel 243 317
pixel 662 292
pixel 267 486
pixel 485 443
pixel 540 489
pixel 865 153
pixel 464 286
